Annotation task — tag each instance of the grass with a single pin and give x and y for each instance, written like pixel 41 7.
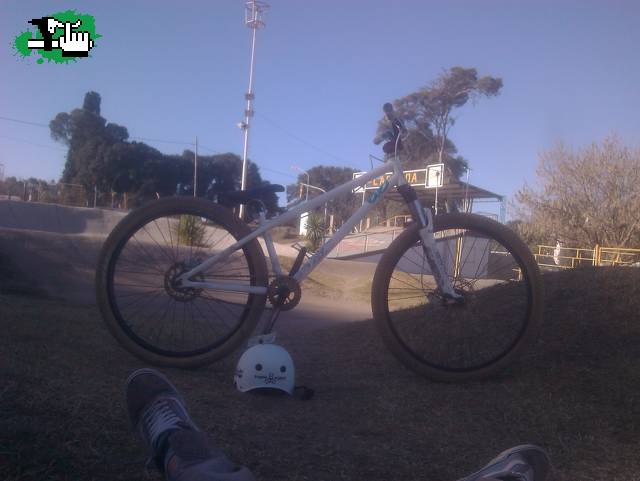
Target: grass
pixel 577 393
pixel 333 283
pixel 285 234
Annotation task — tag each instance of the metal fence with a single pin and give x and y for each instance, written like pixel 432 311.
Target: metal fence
pixel 74 195
pixel 555 257
pixel 55 193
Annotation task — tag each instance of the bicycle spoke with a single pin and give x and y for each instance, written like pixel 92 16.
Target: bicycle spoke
pixel 150 304
pixel 449 336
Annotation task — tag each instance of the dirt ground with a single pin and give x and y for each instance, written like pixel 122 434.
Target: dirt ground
pixel 576 393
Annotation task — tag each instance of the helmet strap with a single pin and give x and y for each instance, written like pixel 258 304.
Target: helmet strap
pixel 306 394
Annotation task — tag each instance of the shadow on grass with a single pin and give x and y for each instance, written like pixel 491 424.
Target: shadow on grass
pixel 575 392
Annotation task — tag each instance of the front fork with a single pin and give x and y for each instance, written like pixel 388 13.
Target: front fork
pixel 424 218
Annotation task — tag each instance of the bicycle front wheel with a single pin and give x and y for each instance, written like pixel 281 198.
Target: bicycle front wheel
pixel 501 305
pixel 142 301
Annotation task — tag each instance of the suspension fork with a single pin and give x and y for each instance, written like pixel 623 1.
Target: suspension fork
pixel 424 219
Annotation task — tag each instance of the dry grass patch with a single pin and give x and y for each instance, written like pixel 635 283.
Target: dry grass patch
pixel 576 393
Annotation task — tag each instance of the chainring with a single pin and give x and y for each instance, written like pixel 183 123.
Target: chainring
pixel 284 292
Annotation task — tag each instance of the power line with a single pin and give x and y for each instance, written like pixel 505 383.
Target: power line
pixel 213 151
pixel 146 139
pixel 278 172
pixel 37 124
pixel 24 122
pixel 178 142
pixel 163 141
pixel 33 143
pixel 300 139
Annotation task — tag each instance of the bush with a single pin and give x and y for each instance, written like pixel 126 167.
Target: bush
pixel 584 197
pixel 315 232
pixel 190 230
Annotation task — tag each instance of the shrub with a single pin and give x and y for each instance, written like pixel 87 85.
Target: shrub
pixel 190 230
pixel 315 232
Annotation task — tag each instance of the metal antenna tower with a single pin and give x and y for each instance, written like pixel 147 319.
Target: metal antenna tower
pixel 254 19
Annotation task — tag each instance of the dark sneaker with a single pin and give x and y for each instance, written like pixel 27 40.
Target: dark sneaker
pixel 526 462
pixel 156 409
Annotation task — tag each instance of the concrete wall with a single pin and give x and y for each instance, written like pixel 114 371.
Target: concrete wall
pixel 56 218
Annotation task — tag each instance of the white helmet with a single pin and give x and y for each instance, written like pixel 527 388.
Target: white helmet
pixel 265 366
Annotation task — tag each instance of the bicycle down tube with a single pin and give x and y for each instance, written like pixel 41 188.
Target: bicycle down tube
pixel 292 214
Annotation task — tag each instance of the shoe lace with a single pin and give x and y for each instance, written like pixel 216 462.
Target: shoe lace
pixel 161 416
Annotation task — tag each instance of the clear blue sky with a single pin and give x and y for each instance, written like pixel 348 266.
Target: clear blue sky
pixel 571 72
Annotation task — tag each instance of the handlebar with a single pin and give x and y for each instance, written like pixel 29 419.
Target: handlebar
pixel 396 123
pixel 397 128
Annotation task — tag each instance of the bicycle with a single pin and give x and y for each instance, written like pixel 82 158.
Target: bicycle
pixel 182 282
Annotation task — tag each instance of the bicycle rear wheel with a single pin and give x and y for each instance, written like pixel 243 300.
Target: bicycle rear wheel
pixel 147 310
pixel 500 313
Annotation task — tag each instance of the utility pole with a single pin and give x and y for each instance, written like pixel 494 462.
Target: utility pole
pixel 254 14
pixel 437 184
pixel 298 169
pixel 195 170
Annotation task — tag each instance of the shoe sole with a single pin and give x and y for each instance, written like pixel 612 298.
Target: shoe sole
pixel 534 455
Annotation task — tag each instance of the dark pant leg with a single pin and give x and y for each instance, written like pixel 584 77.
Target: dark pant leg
pixel 190 457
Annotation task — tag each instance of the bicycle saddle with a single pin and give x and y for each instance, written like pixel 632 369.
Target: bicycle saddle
pixel 244 196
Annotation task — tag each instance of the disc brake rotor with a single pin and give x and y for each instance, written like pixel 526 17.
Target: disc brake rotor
pixel 172 285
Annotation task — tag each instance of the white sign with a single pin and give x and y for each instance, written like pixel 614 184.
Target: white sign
pixel 359 188
pixel 435 177
pixel 303 223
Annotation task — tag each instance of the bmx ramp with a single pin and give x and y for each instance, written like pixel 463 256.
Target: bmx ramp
pixel 58 219
pixel 52 250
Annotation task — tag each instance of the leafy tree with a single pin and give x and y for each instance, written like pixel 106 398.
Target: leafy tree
pixel 100 155
pixel 327 177
pixel 89 139
pixel 12 186
pixel 428 116
pixel 92 102
pixel 587 197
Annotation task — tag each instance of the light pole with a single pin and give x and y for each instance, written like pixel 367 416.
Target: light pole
pixel 298 169
pixel 195 170
pixel 254 14
pixel 321 190
pixel 437 184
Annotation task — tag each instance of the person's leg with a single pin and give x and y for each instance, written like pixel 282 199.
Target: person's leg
pixel 526 462
pixel 180 450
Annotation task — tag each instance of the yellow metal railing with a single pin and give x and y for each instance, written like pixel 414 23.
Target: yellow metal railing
pixel 614 256
pixel 571 257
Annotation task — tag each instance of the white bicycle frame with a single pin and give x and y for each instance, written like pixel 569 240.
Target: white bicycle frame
pixel 396 179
